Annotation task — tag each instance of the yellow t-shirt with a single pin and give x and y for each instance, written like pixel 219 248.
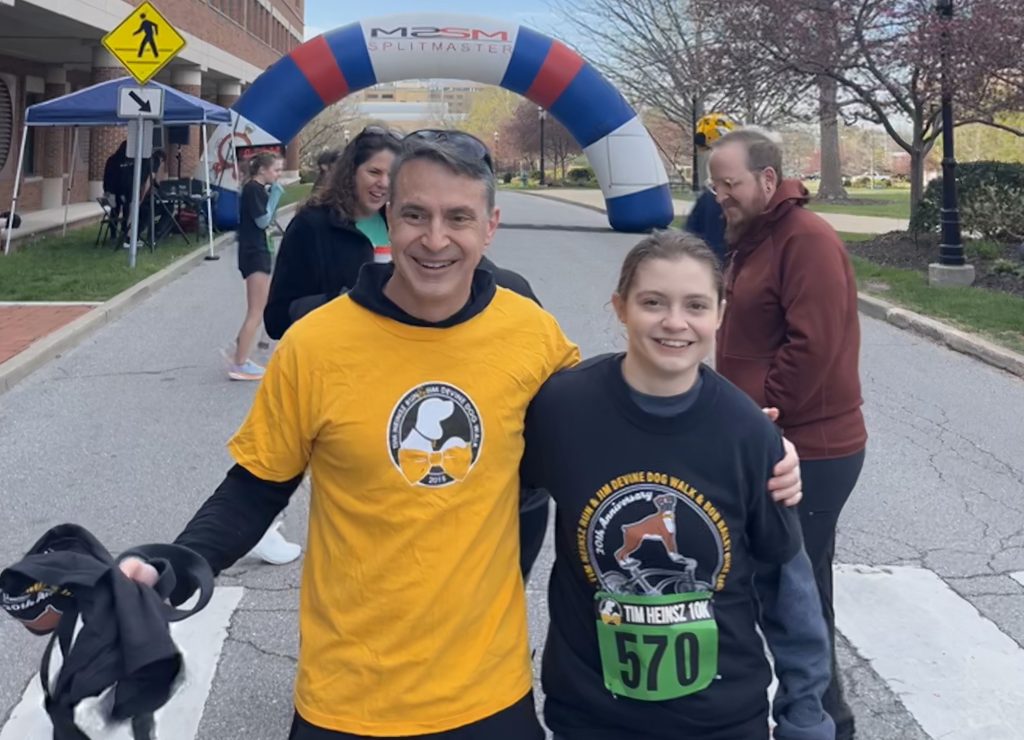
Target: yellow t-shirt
pixel 412 613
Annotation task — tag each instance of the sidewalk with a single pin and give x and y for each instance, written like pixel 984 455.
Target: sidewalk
pixel 592 198
pixel 21 324
pixel 49 219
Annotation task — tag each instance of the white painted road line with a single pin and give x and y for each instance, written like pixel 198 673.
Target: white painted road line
pixel 1018 577
pixel 200 638
pixel 955 671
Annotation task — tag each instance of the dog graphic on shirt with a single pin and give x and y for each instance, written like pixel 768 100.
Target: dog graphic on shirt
pixel 453 456
pixel 660 526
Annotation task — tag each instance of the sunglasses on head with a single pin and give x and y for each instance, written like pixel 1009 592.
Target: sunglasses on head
pixel 381 131
pixel 466 143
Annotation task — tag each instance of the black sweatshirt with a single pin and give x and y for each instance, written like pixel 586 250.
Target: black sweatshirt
pixel 614 468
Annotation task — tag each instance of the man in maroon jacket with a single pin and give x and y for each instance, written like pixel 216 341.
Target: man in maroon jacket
pixel 790 339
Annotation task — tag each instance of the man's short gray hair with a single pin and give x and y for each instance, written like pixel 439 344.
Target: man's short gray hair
pixel 764 149
pixel 447 155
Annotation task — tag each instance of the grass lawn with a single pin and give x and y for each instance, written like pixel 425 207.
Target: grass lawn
pixel 893 203
pixel 998 316
pixel 71 269
pixel 294 192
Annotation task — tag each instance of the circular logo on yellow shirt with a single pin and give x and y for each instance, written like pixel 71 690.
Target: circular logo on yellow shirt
pixel 434 435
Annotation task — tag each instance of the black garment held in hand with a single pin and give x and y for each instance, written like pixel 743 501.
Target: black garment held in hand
pixel 124 641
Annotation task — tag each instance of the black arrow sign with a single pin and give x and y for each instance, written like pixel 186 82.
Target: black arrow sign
pixel 144 106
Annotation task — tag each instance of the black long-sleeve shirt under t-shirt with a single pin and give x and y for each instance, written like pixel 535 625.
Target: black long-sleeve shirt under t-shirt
pixel 609 465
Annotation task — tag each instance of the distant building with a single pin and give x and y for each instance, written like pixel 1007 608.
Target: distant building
pixel 416 104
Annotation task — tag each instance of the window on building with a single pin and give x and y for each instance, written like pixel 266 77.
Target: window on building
pixel 33 140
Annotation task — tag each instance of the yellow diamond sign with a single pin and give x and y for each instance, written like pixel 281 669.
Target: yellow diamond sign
pixel 144 42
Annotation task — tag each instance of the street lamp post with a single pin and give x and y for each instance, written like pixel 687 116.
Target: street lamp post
pixel 951 250
pixel 695 185
pixel 543 114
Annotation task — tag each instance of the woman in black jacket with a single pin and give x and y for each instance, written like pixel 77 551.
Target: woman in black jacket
pixel 338 230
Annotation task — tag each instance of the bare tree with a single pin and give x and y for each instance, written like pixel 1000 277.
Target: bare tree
pixel 665 54
pixel 674 142
pixel 522 133
pixel 327 130
pixel 884 58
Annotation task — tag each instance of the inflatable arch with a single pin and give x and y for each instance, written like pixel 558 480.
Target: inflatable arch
pixel 325 69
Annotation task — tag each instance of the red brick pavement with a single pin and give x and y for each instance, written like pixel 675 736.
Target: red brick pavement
pixel 20 326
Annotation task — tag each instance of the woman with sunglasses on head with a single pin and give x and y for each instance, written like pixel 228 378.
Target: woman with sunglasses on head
pixel 658 467
pixel 340 228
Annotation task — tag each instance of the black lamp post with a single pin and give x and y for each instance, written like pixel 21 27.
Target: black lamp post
pixel 951 249
pixel 543 114
pixel 695 186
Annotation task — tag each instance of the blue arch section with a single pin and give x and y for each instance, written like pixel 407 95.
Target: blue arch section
pixel 527 58
pixel 586 122
pixel 281 100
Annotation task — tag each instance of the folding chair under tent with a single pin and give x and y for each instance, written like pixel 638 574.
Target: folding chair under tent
pixel 97 106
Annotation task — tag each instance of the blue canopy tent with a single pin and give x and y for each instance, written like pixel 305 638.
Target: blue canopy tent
pixel 97 106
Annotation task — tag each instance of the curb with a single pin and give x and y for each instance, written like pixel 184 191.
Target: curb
pixel 902 318
pixel 549 195
pixel 968 344
pixel 70 335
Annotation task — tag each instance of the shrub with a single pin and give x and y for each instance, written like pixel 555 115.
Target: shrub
pixel 983 250
pixel 1006 267
pixel 506 178
pixel 580 175
pixel 991 201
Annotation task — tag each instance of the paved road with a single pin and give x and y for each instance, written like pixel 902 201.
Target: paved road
pixel 126 434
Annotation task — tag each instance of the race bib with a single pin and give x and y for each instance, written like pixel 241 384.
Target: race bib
pixel 655 648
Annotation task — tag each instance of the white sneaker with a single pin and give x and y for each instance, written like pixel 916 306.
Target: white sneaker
pixel 273 548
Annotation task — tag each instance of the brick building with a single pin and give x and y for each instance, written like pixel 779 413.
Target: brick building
pixel 51 47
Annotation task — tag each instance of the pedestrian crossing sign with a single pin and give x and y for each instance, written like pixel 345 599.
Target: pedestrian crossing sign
pixel 144 42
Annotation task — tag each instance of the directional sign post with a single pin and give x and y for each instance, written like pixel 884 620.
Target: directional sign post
pixel 140 102
pixel 144 42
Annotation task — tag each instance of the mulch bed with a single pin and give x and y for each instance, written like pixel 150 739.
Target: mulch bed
pixel 901 249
